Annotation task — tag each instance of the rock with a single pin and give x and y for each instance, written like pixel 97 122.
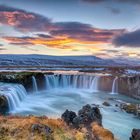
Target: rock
pixel 90 114
pixel 85 117
pixel 135 135
pixel 129 108
pixel 3 105
pixel 106 103
pixel 41 128
pixel 68 116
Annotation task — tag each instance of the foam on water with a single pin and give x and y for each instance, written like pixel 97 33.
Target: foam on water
pixel 69 92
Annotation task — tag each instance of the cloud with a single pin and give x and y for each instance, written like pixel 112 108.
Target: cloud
pixel 114 10
pixel 116 1
pixel 2 47
pixel 44 36
pixel 129 39
pixel 83 32
pixel 53 34
pixel 49 42
pixel 66 34
pixel 94 1
pixel 23 20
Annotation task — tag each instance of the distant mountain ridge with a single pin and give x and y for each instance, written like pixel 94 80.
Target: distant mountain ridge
pixel 49 60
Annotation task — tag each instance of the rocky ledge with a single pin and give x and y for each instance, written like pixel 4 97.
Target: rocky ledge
pixel 3 105
pixel 131 108
pixel 135 135
pixel 24 78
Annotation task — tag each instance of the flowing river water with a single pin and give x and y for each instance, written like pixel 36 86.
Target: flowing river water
pixel 71 93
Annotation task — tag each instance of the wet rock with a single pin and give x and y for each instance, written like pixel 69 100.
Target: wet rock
pixel 135 135
pixel 129 108
pixel 85 117
pixel 106 103
pixel 40 79
pixel 90 114
pixel 41 128
pixel 68 116
pixel 3 105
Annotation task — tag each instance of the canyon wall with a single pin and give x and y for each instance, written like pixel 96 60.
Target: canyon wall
pixel 126 85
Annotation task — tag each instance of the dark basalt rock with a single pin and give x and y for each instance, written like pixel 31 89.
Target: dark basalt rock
pixel 90 114
pixel 68 117
pixel 135 135
pixel 85 117
pixel 3 105
pixel 25 78
pixel 40 80
pixel 106 103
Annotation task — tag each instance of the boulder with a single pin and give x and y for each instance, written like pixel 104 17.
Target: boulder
pixel 85 117
pixel 129 108
pixel 135 135
pixel 68 117
pixel 106 103
pixel 3 105
pixel 90 114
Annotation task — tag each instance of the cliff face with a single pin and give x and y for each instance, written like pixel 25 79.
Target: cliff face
pixel 24 78
pixel 105 83
pixel 129 86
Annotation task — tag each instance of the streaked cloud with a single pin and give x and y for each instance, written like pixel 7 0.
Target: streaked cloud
pixel 116 1
pixel 40 31
pixel 55 33
pixel 23 20
pixel 114 10
pixel 128 39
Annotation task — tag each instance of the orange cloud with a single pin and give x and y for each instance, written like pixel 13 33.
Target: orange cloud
pixel 55 34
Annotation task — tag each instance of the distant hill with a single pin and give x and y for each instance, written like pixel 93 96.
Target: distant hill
pixel 48 60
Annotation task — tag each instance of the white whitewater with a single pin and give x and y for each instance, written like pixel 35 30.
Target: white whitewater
pixel 115 86
pixel 53 103
pixel 15 94
pixel 73 91
pixel 72 81
pixel 35 88
pixel 95 83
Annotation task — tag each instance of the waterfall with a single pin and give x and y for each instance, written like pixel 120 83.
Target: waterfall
pixel 14 95
pixel 95 83
pixel 72 81
pixel 115 86
pixel 35 88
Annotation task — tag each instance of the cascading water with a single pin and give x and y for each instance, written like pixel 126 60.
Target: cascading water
pixel 35 88
pixel 14 94
pixel 95 83
pixel 54 102
pixel 115 86
pixel 72 81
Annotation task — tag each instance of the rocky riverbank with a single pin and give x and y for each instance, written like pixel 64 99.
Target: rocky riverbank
pixel 84 125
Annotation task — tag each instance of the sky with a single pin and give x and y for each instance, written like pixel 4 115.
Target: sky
pixel 104 28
